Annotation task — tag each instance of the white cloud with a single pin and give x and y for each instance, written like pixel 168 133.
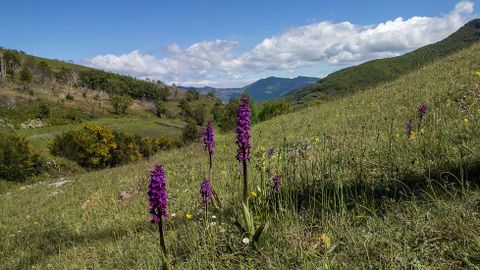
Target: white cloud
pixel 336 44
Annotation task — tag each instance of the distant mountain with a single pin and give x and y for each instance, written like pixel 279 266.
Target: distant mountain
pixel 374 72
pixel 263 89
pixel 224 94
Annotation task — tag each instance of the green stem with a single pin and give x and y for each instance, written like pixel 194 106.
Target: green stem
pixel 215 199
pixel 210 166
pixel 245 183
pixel 166 265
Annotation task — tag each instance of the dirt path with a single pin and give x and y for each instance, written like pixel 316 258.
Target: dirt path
pixel 43 135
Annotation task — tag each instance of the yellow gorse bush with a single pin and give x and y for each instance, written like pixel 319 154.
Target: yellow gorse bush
pixel 97 146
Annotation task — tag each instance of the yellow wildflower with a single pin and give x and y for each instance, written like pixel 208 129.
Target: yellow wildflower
pixel 397 135
pixel 477 73
pixel 253 194
pixel 316 139
pixel 188 215
pixel 326 240
pixel 466 121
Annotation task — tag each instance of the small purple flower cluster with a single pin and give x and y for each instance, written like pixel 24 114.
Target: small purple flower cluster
pixel 206 191
pixel 276 182
pixel 422 110
pixel 409 127
pixel 243 131
pixel 209 138
pixel 157 191
pixel 271 152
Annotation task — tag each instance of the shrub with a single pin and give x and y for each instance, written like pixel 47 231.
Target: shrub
pixel 199 115
pixel 120 104
pixel 58 122
pixel 190 132
pixel 97 146
pixel 69 96
pixel 25 77
pixel 18 159
pixel 43 111
pixel 160 108
pixel 186 110
pixel 225 116
pixel 192 95
pixel 273 108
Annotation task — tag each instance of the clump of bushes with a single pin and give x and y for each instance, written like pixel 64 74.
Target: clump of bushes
pixel 96 146
pixel 43 111
pixel 270 109
pixel 190 132
pixel 18 159
pixel 120 104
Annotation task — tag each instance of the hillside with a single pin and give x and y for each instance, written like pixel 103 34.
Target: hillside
pixel 274 87
pixel 263 89
pixel 74 93
pixel 357 191
pixel 374 72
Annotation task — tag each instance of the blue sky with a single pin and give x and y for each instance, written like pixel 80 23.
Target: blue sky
pixel 226 43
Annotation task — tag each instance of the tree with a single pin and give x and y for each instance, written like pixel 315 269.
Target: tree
pixel 192 94
pixel 30 63
pixel 12 62
pixel 160 108
pixel 273 108
pixel 226 116
pixel 64 75
pixel 163 92
pixel 120 104
pixel 190 132
pixel 45 72
pixel 186 110
pixel 25 77
pixel 199 115
pixel 43 111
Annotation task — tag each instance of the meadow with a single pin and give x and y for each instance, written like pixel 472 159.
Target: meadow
pixel 358 190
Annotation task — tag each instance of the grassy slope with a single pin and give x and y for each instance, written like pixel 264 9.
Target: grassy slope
pixel 372 73
pixel 358 139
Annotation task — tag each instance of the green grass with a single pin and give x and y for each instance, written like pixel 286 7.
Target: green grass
pixel 349 173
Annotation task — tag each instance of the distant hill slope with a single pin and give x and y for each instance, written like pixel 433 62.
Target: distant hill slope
pixel 372 73
pixel 263 89
pixel 274 87
pixel 74 93
pixel 224 94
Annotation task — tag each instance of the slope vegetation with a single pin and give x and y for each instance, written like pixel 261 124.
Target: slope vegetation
pixel 357 191
pixel 374 72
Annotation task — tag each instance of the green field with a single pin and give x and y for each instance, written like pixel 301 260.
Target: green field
pixel 357 191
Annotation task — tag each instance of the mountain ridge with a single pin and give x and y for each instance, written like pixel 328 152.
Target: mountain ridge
pixel 268 88
pixel 374 72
